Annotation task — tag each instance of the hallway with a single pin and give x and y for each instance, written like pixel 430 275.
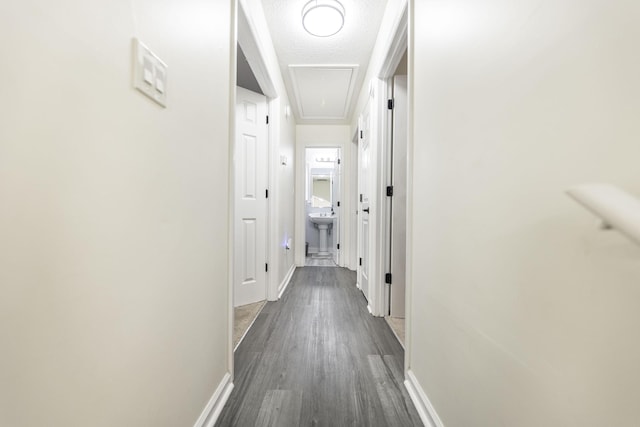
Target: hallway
pixel 317 357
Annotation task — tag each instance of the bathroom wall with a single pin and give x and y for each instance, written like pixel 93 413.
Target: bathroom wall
pixel 326 136
pixel 311 232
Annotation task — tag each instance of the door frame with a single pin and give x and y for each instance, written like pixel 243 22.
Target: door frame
pixel 395 51
pixel 245 36
pixel 399 43
pixel 391 152
pixel 369 105
pixel 341 227
pixel 300 219
pixel 379 89
pixel 262 208
pixel 251 47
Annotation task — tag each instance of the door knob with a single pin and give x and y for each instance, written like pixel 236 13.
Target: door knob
pixel 365 210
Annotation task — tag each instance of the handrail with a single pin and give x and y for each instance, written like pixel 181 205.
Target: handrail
pixel 617 208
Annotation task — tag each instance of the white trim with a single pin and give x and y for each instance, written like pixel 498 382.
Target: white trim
pixel 214 407
pixel 423 405
pixel 253 50
pixel 386 165
pixel 231 190
pixel 273 205
pixel 397 45
pixel 350 257
pixel 380 136
pixel 408 310
pixel 299 209
pixel 285 283
pixel 395 50
pixel 379 202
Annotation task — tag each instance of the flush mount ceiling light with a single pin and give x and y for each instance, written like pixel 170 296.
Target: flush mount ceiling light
pixel 323 18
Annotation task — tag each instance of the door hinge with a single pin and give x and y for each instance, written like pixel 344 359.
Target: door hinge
pixel 266 193
pixel 361 135
pixel 390 191
pixel 338 204
pixel 338 245
pixel 390 104
pixel 267 119
pixel 387 278
pixel 360 261
pixel 266 268
pixel 338 161
pixel 360 198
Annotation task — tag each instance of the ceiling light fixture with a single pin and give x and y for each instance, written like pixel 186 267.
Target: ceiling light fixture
pixel 323 18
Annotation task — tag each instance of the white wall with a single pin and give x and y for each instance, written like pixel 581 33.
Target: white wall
pixel 323 136
pixel 353 196
pixel 113 218
pixel 282 138
pixel 286 193
pixel 524 313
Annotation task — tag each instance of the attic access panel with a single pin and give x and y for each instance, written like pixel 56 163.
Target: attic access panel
pixel 323 91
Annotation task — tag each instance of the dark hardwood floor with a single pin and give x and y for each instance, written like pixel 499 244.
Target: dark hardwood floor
pixel 318 358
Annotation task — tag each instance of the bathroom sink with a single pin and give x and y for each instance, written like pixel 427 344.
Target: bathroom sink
pixel 321 219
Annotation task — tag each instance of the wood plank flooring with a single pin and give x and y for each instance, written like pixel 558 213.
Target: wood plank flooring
pixel 318 358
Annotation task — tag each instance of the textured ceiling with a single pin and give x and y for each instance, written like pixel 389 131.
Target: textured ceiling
pixel 318 94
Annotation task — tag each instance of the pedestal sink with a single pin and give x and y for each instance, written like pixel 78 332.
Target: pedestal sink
pixel 322 223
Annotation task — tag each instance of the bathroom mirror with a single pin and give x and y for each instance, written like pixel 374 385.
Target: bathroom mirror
pixel 321 191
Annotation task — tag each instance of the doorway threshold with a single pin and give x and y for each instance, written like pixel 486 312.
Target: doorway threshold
pixel 397 327
pixel 243 318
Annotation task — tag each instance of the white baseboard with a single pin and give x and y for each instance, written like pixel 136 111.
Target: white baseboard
pixel 214 407
pixel 425 409
pixel 314 250
pixel 285 282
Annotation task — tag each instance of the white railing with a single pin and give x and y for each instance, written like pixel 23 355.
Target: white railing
pixel 617 208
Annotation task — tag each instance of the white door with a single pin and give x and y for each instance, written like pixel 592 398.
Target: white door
pixel 399 199
pixel 250 178
pixel 335 201
pixel 364 155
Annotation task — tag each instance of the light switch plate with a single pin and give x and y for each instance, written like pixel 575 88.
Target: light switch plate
pixel 149 73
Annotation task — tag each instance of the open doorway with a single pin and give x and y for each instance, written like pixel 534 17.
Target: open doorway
pixel 397 237
pixel 322 206
pixel 383 166
pixel 252 211
pixel 250 218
